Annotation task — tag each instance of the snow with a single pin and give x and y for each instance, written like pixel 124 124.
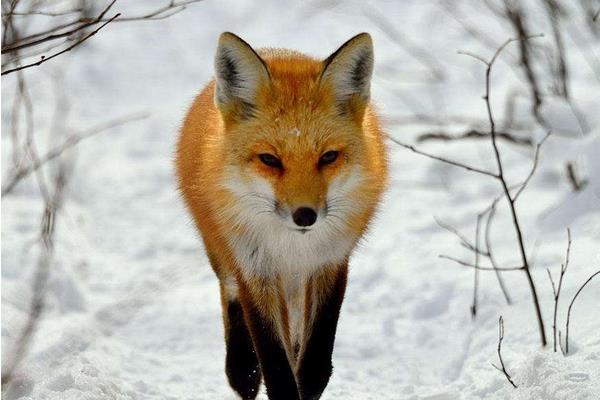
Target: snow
pixel 133 307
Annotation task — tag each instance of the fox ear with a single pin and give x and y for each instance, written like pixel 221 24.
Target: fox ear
pixel 239 73
pixel 349 71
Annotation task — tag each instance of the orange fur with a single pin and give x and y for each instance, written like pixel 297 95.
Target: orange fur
pixel 298 120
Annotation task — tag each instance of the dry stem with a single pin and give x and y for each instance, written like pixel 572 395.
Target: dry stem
pixel 556 289
pixel 500 339
pixel 571 305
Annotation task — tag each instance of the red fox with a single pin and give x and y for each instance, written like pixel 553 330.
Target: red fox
pixel 281 162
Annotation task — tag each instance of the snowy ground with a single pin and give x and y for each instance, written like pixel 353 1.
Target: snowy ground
pixel 133 308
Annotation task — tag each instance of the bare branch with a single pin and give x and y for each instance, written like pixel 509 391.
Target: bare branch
pixel 442 159
pixel 556 289
pixel 170 9
pixel 46 13
pixel 477 124
pixel 575 182
pixel 555 12
pixel 488 244
pixel 30 151
pixel 9 49
pixel 516 18
pixel 536 157
pixel 70 31
pixel 473 134
pixel 503 182
pixel 560 343
pixel 500 176
pixel 500 49
pixel 463 239
pixel 471 265
pixel 500 339
pixel 44 59
pixel 473 55
pixel 571 305
pixel 551 282
pixel 71 141
pixel 476 269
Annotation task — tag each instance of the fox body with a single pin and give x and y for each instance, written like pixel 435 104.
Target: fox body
pixel 281 163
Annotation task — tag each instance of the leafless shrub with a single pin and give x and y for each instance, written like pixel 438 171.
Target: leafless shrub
pixel 22 49
pixel 532 60
pixel 66 32
pixel 509 193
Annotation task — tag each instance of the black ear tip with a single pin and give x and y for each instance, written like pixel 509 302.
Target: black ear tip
pixel 229 36
pixel 364 37
pixel 362 40
pixel 228 39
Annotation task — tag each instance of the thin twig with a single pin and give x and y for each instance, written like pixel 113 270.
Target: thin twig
pixel 471 265
pixel 30 145
pixel 463 239
pixel 536 157
pixel 68 143
pixel 442 159
pixel 560 343
pixel 500 339
pixel 71 47
pixel 477 124
pixel 576 184
pixel 170 9
pixel 515 16
pixel 571 305
pixel 472 134
pixel 476 269
pixel 556 288
pixel 488 245
pixel 47 13
pixel 555 13
pixel 9 49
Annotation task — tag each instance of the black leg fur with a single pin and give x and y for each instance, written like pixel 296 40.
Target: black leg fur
pixel 315 364
pixel 278 376
pixel 241 363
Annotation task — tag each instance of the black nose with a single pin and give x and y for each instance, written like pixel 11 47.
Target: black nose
pixel 304 216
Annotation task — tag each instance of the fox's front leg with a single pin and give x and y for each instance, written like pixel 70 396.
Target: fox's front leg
pixel 261 302
pixel 323 309
pixel 241 363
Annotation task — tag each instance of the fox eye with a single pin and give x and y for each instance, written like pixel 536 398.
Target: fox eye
pixel 328 157
pixel 270 160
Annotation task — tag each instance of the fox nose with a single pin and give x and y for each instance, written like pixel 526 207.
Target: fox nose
pixel 304 216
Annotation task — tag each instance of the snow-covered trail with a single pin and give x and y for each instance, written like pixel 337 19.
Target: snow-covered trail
pixel 133 307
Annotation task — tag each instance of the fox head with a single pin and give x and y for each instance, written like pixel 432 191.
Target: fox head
pixel 300 159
